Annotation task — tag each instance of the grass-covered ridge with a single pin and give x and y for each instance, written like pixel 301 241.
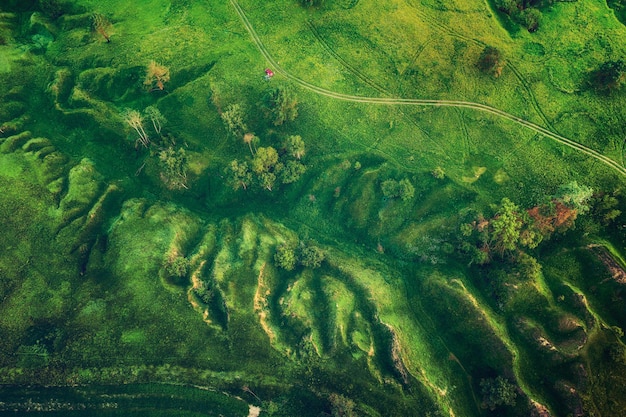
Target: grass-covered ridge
pixel 331 239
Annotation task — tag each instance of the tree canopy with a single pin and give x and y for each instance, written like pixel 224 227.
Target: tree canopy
pixel 264 160
pixel 497 391
pixel 282 104
pixel 402 189
pixel 506 227
pixel 490 61
pixel 609 76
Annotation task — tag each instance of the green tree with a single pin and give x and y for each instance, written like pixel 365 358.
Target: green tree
pixel 505 227
pixel 240 175
pixel 490 61
pixel 265 160
pixel 295 146
pixel 267 180
pixel 173 166
pixel 575 196
pixel 311 256
pixel 285 257
pixel 497 391
pixel 507 6
pixel 528 266
pixel 610 76
pixel 312 3
pixel 402 189
pixel 177 267
pixel 233 119
pixel 530 18
pixel 154 115
pixel 407 191
pixel 605 208
pixel 291 172
pixel 341 406
pixel 282 104
pixel 390 188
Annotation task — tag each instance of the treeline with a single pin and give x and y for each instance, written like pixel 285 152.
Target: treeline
pixel 525 12
pixel 511 230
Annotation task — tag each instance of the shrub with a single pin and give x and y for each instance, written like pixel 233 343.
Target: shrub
pixel 282 104
pixel 173 166
pixel 489 62
pixel 402 189
pixel 177 268
pixel 439 173
pixel 610 76
pixel 497 391
pixel 312 3
pixel 285 257
pixel 341 406
pixel 233 120
pixel 311 256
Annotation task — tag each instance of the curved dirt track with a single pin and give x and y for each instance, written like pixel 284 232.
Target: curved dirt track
pixel 422 102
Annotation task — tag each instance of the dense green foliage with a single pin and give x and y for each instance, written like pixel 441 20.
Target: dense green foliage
pixel 282 104
pixel 609 76
pixel 490 61
pixel 526 12
pixel 496 392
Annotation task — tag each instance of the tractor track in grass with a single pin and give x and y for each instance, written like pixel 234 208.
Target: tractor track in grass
pixel 516 72
pixel 421 102
pixel 343 62
pixel 367 80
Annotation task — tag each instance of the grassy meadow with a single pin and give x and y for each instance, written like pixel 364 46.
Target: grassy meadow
pixel 166 251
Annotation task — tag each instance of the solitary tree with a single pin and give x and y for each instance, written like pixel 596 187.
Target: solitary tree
pixel 285 257
pixel 177 267
pixel 233 120
pixel 173 164
pixel 497 391
pixel 610 76
pixel 282 104
pixel 156 76
pixel 295 146
pixel 490 61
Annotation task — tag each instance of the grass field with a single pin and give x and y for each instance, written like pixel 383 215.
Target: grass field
pixel 128 292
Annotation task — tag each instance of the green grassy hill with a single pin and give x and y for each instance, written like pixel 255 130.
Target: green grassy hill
pixel 170 248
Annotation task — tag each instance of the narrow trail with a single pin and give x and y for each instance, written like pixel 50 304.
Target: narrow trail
pixel 522 80
pixel 343 62
pixel 421 102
